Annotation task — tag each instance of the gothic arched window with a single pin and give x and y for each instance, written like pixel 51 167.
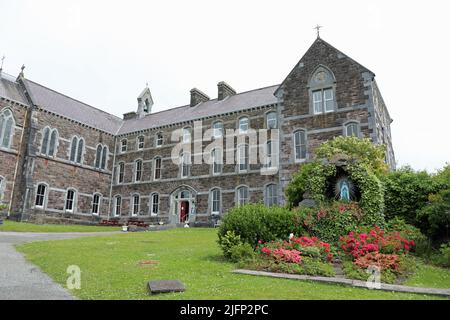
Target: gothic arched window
pixel 322 88
pixel 6 128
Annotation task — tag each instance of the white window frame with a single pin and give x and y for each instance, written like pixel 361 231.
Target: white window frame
pixel 156 169
pixel 140 144
pixel 244 125
pixel 240 200
pixel 152 204
pixel 271 199
pixel 217 129
pixel 138 171
pixel 185 164
pixel 135 207
pixel 2 188
pixel 96 204
pixel 44 196
pixel 187 136
pixel 73 201
pixel 243 156
pixel 273 120
pixel 217 167
pixel 159 140
pixel 216 192
pixel 117 204
pixel 299 158
pixel 123 145
pixel 350 124
pixel 120 172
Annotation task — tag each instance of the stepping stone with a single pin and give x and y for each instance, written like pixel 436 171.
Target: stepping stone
pixel 166 286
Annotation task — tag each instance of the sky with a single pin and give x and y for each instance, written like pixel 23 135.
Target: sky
pixel 104 52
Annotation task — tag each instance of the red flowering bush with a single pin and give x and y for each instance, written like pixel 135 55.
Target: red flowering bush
pixel 383 261
pixel 291 251
pixel 376 240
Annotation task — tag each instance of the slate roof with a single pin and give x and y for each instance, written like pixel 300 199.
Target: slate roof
pixel 63 105
pixel 241 101
pixel 10 89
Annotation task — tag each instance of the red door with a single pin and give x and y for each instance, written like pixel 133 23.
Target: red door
pixel 184 211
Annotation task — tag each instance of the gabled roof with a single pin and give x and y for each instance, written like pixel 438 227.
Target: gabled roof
pixel 241 101
pixel 70 108
pixel 320 41
pixel 11 90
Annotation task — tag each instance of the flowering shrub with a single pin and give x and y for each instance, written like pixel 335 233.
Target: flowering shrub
pixel 290 251
pixel 383 261
pixel 376 240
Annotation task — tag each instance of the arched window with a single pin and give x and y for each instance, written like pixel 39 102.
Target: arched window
pixel 242 195
pixel 243 125
pixel 120 172
pixel 6 128
pixel 96 200
pixel 216 161
pixel 123 145
pixel 45 141
pixel 70 200
pixel 136 205
pixel 117 206
pixel 49 141
pixel 154 206
pixel 352 129
pixel 140 142
pixel 41 193
pixel 217 129
pixel 159 139
pixel 185 164
pixel 53 143
pixel 271 195
pixel 138 170
pixel 104 157
pixel 73 149
pixel 80 151
pixel 300 144
pixel 322 90
pixel 187 135
pixel 243 157
pixel 271 120
pixel 215 201
pixel 2 188
pixel 98 156
pixel 157 169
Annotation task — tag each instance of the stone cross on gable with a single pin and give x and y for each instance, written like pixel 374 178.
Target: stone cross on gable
pixel 318 30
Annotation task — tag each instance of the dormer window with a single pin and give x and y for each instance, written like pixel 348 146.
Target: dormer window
pixel 147 106
pixel 322 86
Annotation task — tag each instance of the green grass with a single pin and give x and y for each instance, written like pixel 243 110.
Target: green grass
pixel 430 277
pixel 30 227
pixel 111 270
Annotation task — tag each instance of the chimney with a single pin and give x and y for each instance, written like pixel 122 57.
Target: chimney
pixel 197 97
pixel 225 90
pixel 129 115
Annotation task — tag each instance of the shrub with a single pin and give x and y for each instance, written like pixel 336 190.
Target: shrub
pixel 241 252
pixel 254 222
pixel 406 191
pixel 443 258
pixel 228 241
pixel 406 230
pixel 330 222
pixel 359 244
pixel 383 261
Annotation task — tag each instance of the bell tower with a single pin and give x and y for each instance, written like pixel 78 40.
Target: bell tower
pixel 145 103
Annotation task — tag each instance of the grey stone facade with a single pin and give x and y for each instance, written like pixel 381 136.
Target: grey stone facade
pixel 100 167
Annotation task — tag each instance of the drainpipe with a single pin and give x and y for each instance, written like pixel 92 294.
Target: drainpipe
pixel 17 163
pixel 112 176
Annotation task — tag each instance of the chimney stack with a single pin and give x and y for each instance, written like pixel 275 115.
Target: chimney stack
pixel 224 90
pixel 197 97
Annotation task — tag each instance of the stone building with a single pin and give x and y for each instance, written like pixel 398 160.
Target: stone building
pixel 62 160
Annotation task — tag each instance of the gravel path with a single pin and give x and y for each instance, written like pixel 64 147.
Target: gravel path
pixel 21 280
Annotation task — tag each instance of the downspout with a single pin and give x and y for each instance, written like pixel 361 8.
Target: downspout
pixel 17 163
pixel 112 177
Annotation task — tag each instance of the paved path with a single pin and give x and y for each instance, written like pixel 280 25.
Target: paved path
pixel 21 280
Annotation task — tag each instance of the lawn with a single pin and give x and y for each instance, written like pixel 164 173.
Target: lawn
pixel 30 227
pixel 111 269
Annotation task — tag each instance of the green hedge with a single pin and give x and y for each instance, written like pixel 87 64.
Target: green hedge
pixel 255 222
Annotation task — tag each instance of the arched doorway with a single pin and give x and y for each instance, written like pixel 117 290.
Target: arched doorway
pixel 182 203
